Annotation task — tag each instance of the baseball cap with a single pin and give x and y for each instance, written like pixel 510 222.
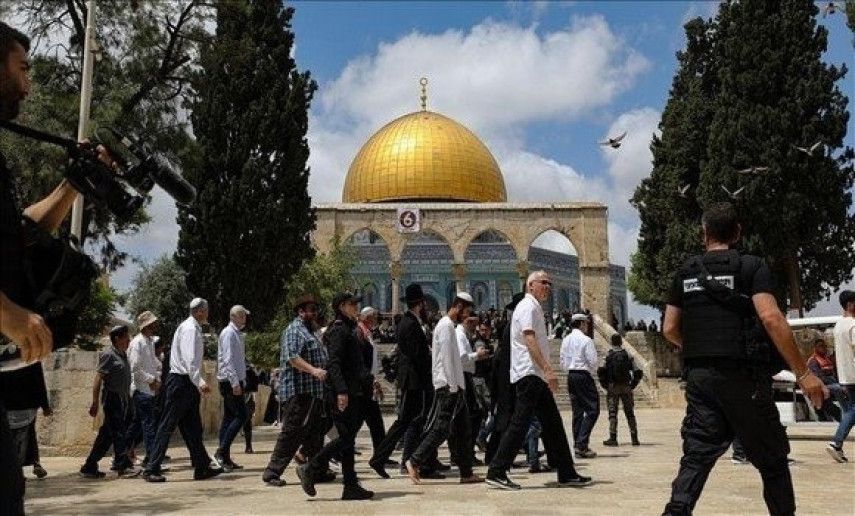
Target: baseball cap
pixel 117 331
pixel 345 297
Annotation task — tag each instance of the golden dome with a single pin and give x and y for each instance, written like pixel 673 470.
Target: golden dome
pixel 424 156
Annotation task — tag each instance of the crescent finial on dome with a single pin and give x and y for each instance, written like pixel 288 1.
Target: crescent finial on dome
pixel 423 81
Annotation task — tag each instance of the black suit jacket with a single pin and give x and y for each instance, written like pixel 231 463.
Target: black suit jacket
pixel 347 374
pixel 414 362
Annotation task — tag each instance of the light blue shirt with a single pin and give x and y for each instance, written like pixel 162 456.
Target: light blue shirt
pixel 231 356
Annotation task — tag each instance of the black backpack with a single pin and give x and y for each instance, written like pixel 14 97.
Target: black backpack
pixel 619 367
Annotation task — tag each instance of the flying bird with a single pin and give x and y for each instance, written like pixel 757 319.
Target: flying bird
pixel 682 190
pixel 732 195
pixel 830 8
pixel 752 170
pixel 811 150
pixel 614 143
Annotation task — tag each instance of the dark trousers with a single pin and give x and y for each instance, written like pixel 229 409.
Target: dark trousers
pixel 448 414
pixel 585 401
pixel 144 419
pixel 180 409
pixel 234 416
pixel 409 425
pixel 113 432
pixel 302 420
pixel 723 403
pixel 11 474
pixel 247 425
pixel 533 398
pixel 474 415
pixel 616 396
pixel 374 422
pixel 347 424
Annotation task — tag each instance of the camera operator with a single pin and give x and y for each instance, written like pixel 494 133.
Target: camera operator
pixel 20 325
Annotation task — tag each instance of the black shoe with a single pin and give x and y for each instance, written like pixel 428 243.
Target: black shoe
pixel 378 468
pixel 306 480
pixel 325 477
pixel 537 467
pixel 234 465
pixel 502 482
pixel 635 440
pixel 586 453
pixel 610 442
pixel 391 463
pixel 273 481
pixel 574 481
pixel 39 471
pixel 431 474
pixel 129 472
pixel 249 451
pixel 356 492
pixel 439 466
pixel 92 473
pixel 153 477
pixel 205 474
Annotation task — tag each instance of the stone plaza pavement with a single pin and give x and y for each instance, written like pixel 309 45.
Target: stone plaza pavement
pixel 628 480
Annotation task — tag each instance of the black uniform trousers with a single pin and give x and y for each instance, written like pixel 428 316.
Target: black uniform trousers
pixel 585 402
pixel 302 421
pixel 727 401
pixel 180 409
pixel 113 432
pixel 533 398
pixel 448 413
pixel 412 410
pixel 374 422
pixel 11 474
pixel 347 424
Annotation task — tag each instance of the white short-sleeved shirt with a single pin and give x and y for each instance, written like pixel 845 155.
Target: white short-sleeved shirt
pixel 528 315
pixel 844 350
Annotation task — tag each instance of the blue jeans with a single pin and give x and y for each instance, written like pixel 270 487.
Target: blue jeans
pixel 531 439
pixel 234 415
pixel 144 405
pixel 847 417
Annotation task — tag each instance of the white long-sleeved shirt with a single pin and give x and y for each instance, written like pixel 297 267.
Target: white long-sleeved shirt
pixel 844 350
pixel 445 352
pixel 145 367
pixel 188 347
pixel 231 356
pixel 467 356
pixel 578 353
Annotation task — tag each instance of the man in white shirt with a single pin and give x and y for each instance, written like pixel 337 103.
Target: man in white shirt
pixel 535 383
pixel 145 377
pixel 844 354
pixel 449 403
pixel 579 359
pixel 184 386
pixel 231 373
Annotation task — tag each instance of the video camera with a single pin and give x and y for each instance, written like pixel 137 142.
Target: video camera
pixel 59 276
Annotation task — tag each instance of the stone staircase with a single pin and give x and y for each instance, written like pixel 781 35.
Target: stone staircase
pixel 645 395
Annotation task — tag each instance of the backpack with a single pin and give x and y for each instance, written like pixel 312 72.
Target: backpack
pixel 619 367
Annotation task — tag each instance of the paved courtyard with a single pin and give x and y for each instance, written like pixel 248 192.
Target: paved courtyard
pixel 628 481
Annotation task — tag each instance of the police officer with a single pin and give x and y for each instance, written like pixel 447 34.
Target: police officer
pixel 715 310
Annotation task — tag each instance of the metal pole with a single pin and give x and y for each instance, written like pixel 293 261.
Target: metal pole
pixel 85 103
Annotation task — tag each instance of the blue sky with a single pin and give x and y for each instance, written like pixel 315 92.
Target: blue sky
pixel 539 82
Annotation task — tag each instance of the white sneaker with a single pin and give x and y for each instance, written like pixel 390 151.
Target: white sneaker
pixel 836 452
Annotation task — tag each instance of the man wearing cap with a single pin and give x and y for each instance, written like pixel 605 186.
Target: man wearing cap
pixel 231 373
pixel 184 387
pixel 449 401
pixel 145 377
pixel 303 364
pixel 113 384
pixel 535 383
pixel 351 386
pixel 414 381
pixel 579 359
pixel 371 361
pixel 844 354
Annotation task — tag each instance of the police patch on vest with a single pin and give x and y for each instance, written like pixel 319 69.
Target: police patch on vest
pixel 694 284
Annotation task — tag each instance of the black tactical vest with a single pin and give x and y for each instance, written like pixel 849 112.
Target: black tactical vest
pixel 717 314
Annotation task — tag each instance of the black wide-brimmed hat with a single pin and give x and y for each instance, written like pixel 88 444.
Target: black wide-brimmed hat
pixel 413 293
pixel 515 301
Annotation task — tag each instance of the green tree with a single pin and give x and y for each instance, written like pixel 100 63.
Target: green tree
pixel 775 94
pixel 666 201
pixel 161 287
pixel 322 276
pixel 248 231
pixel 97 315
pixel 757 90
